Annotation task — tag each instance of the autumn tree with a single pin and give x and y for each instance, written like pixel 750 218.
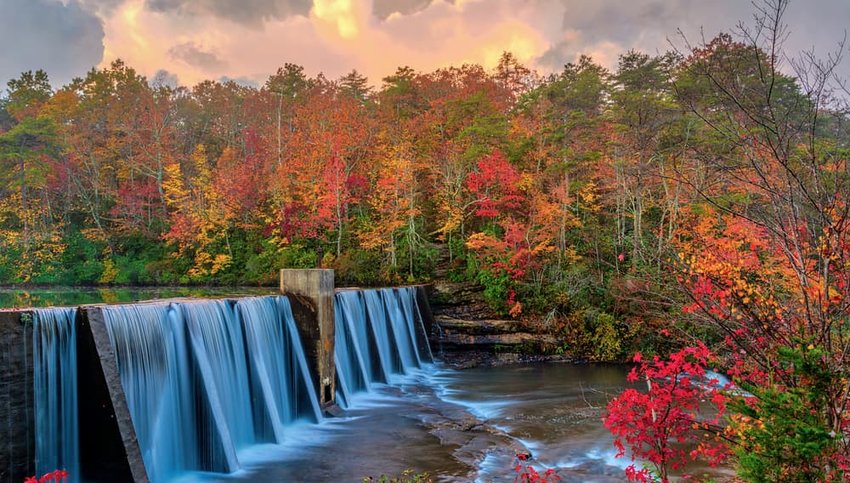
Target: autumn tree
pixel 30 231
pixel 763 257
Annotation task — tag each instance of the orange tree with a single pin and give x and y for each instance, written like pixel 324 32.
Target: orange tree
pixel 763 255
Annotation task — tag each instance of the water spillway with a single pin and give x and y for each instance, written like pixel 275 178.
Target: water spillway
pixel 205 379
pixel 279 375
pixel 55 390
pixel 380 335
pixel 158 390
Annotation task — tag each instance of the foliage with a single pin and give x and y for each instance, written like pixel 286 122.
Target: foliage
pixel 407 476
pixel 761 255
pixel 657 426
pixel 57 476
pixel 525 473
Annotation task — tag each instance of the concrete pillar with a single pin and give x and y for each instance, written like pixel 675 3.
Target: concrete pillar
pixel 311 294
pixel 114 454
pixel 17 411
pixel 423 310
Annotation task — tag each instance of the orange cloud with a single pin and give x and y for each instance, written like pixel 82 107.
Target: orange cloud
pixel 335 37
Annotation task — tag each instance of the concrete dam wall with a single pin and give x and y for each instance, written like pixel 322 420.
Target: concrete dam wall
pixel 147 391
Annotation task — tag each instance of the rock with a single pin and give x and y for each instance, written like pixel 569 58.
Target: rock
pixel 478 327
pixel 333 411
pixel 509 339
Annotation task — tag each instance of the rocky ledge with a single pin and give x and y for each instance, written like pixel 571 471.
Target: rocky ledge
pixel 467 332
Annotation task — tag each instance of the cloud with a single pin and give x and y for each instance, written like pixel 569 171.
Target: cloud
pixel 605 29
pixel 102 7
pixel 196 56
pixel 384 8
pixel 248 12
pixel 250 39
pixel 61 38
pixel 242 81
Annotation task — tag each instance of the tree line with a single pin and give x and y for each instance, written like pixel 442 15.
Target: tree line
pixel 582 199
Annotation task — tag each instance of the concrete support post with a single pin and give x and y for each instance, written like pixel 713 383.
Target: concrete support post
pixel 311 294
pixel 116 451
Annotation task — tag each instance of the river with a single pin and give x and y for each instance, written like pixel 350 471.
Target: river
pixel 458 425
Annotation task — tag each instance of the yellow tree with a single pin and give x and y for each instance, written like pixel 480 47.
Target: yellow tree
pixel 200 218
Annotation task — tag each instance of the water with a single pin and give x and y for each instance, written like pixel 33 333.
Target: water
pixel 220 391
pixel 379 335
pixel 459 426
pixel 404 412
pixel 55 391
pixel 553 410
pixel 161 382
pixel 23 297
pixel 207 380
pixel 278 368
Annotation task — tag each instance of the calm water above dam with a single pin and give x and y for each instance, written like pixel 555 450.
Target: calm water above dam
pixel 22 297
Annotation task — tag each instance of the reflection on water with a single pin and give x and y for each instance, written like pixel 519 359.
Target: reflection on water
pixel 11 297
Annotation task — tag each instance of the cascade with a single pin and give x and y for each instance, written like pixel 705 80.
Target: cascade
pixel 379 333
pixel 206 379
pixel 219 348
pixel 55 391
pixel 166 396
pixel 279 378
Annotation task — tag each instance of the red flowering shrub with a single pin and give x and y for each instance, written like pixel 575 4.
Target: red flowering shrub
pixel 57 476
pixel 658 426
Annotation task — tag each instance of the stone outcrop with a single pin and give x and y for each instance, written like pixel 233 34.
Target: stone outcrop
pixel 478 334
pixel 467 331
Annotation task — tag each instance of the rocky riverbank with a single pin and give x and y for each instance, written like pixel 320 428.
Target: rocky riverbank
pixel 467 332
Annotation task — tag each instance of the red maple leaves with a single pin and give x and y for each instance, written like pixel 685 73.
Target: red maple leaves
pixel 657 426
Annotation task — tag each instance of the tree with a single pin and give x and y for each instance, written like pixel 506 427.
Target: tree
pixel 763 257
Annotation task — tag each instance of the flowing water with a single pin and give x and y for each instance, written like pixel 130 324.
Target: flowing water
pixel 458 426
pixel 219 390
pixel 405 412
pixel 55 391
pixel 206 380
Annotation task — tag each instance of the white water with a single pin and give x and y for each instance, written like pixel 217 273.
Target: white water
pixel 55 391
pixel 380 336
pixel 203 384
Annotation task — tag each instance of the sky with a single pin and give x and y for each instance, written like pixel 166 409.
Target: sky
pixel 186 41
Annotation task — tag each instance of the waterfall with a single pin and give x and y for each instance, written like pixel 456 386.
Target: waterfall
pixel 205 379
pixel 55 391
pixel 379 333
pixel 218 345
pixel 280 381
pixel 415 322
pixel 166 391
pixel 355 368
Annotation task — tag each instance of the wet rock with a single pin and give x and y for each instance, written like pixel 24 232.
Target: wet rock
pixel 468 359
pixel 479 327
pixel 333 411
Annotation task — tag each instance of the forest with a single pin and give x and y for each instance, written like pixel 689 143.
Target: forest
pixel 596 203
pixel 685 211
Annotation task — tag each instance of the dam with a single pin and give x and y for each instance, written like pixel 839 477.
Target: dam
pixel 154 390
